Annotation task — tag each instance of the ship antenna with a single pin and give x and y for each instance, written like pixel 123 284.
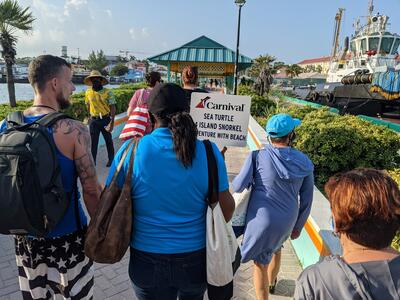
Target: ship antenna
pixel 371 7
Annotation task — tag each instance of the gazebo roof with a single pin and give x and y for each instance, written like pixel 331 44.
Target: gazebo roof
pixel 203 50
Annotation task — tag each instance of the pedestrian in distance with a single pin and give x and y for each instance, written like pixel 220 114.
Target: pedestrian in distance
pixel 169 191
pixel 282 184
pixel 141 96
pixel 54 265
pixel 365 206
pixel 100 103
pixel 190 78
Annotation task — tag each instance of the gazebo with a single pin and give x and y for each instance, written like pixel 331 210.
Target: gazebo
pixel 212 59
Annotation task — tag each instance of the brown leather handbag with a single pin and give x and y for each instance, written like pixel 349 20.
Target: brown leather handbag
pixel 109 232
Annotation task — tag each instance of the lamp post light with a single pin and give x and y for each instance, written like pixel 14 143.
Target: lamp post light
pixel 239 3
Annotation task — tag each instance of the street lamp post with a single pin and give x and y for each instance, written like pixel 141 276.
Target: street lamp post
pixel 239 3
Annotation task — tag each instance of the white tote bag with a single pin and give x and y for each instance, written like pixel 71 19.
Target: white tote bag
pixel 242 199
pixel 241 204
pixel 221 247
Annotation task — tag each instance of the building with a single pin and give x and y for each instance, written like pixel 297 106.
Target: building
pixel 320 64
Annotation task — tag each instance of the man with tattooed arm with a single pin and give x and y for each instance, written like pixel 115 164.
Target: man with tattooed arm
pixel 56 266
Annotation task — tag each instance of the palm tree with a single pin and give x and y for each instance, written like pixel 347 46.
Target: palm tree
pixel 293 70
pixel 13 17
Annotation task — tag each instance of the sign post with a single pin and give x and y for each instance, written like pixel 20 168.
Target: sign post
pixel 222 119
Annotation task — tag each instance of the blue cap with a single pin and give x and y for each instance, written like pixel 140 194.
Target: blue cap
pixel 281 125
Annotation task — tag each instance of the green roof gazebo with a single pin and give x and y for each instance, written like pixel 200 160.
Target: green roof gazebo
pixel 211 58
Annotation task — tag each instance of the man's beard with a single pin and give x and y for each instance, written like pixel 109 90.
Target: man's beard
pixel 62 102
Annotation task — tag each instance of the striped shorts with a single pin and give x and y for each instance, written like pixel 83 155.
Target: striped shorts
pixel 54 268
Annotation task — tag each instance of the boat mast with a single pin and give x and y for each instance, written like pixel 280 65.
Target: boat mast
pixel 371 7
pixel 338 22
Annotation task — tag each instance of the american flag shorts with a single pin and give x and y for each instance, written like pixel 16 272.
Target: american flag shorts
pixel 54 268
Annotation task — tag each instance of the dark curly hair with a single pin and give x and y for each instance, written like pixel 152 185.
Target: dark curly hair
pixel 152 78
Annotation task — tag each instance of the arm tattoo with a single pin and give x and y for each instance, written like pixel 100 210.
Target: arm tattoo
pixel 68 126
pixel 85 167
pixel 84 164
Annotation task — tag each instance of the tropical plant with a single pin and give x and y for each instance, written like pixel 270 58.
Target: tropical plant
pixel 13 18
pixel 119 70
pixel 293 70
pixel 96 61
pixel 263 62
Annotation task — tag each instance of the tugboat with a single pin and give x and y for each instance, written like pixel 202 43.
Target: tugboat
pixel 363 78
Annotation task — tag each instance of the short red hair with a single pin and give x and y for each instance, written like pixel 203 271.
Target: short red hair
pixel 366 206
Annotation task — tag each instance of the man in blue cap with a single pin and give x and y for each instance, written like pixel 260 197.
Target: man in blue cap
pixel 282 184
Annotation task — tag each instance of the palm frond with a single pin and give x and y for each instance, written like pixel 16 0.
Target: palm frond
pixel 15 16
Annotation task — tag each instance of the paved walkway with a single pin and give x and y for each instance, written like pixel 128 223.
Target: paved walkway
pixel 112 281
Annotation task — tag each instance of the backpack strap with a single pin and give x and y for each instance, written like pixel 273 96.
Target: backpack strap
pixel 51 118
pixel 213 182
pixel 15 118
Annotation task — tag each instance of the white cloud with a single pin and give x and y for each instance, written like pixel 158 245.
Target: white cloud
pixel 83 32
pixel 73 4
pixel 57 35
pixel 31 39
pixel 48 10
pixel 145 32
pixel 139 33
pixel 109 13
pixel 132 32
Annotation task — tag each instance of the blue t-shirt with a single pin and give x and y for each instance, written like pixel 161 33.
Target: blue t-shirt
pixel 67 224
pixel 168 199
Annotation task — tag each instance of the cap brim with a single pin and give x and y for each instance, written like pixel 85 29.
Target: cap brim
pixel 296 122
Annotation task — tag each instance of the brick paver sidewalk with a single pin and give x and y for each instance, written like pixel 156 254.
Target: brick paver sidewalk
pixel 112 281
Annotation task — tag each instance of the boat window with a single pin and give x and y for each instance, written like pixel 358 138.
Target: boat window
pixel 386 45
pixel 363 45
pixel 396 46
pixel 353 46
pixel 373 44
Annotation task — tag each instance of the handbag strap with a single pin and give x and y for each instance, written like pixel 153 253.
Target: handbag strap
pixel 213 182
pixel 121 162
pixel 140 100
pixel 128 179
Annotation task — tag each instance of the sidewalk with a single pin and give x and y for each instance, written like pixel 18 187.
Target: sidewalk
pixel 112 281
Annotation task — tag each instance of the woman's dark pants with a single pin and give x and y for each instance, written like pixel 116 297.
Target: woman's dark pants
pixel 168 276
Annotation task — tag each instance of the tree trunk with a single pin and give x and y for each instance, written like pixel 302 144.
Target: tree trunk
pixel 10 85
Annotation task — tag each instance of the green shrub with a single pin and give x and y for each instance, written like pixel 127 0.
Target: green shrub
pixel 260 105
pixel 78 109
pixel 340 143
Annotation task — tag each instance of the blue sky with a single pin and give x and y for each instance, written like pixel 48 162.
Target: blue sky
pixel 291 30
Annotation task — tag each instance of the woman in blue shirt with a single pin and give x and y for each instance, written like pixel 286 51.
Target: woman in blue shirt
pixel 169 189
pixel 282 191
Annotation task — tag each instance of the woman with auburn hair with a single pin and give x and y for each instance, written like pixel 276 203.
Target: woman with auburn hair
pixel 190 78
pixel 365 206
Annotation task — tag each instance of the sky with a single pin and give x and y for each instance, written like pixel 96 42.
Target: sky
pixel 290 30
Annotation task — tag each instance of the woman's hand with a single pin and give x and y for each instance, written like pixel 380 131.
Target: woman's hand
pixel 223 152
pixel 295 234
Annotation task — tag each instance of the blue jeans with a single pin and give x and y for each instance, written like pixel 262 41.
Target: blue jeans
pixel 168 276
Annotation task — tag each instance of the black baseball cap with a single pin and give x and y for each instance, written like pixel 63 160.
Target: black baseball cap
pixel 166 99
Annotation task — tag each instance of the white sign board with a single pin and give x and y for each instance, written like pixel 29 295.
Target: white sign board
pixel 222 119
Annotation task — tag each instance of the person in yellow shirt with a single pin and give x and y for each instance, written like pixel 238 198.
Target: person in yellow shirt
pixel 101 107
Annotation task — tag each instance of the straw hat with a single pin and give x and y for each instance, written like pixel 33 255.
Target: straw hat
pixel 95 74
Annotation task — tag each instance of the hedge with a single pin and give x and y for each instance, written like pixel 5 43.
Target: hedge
pixel 78 109
pixel 260 105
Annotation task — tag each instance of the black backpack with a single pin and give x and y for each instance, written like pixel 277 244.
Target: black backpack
pixel 32 198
